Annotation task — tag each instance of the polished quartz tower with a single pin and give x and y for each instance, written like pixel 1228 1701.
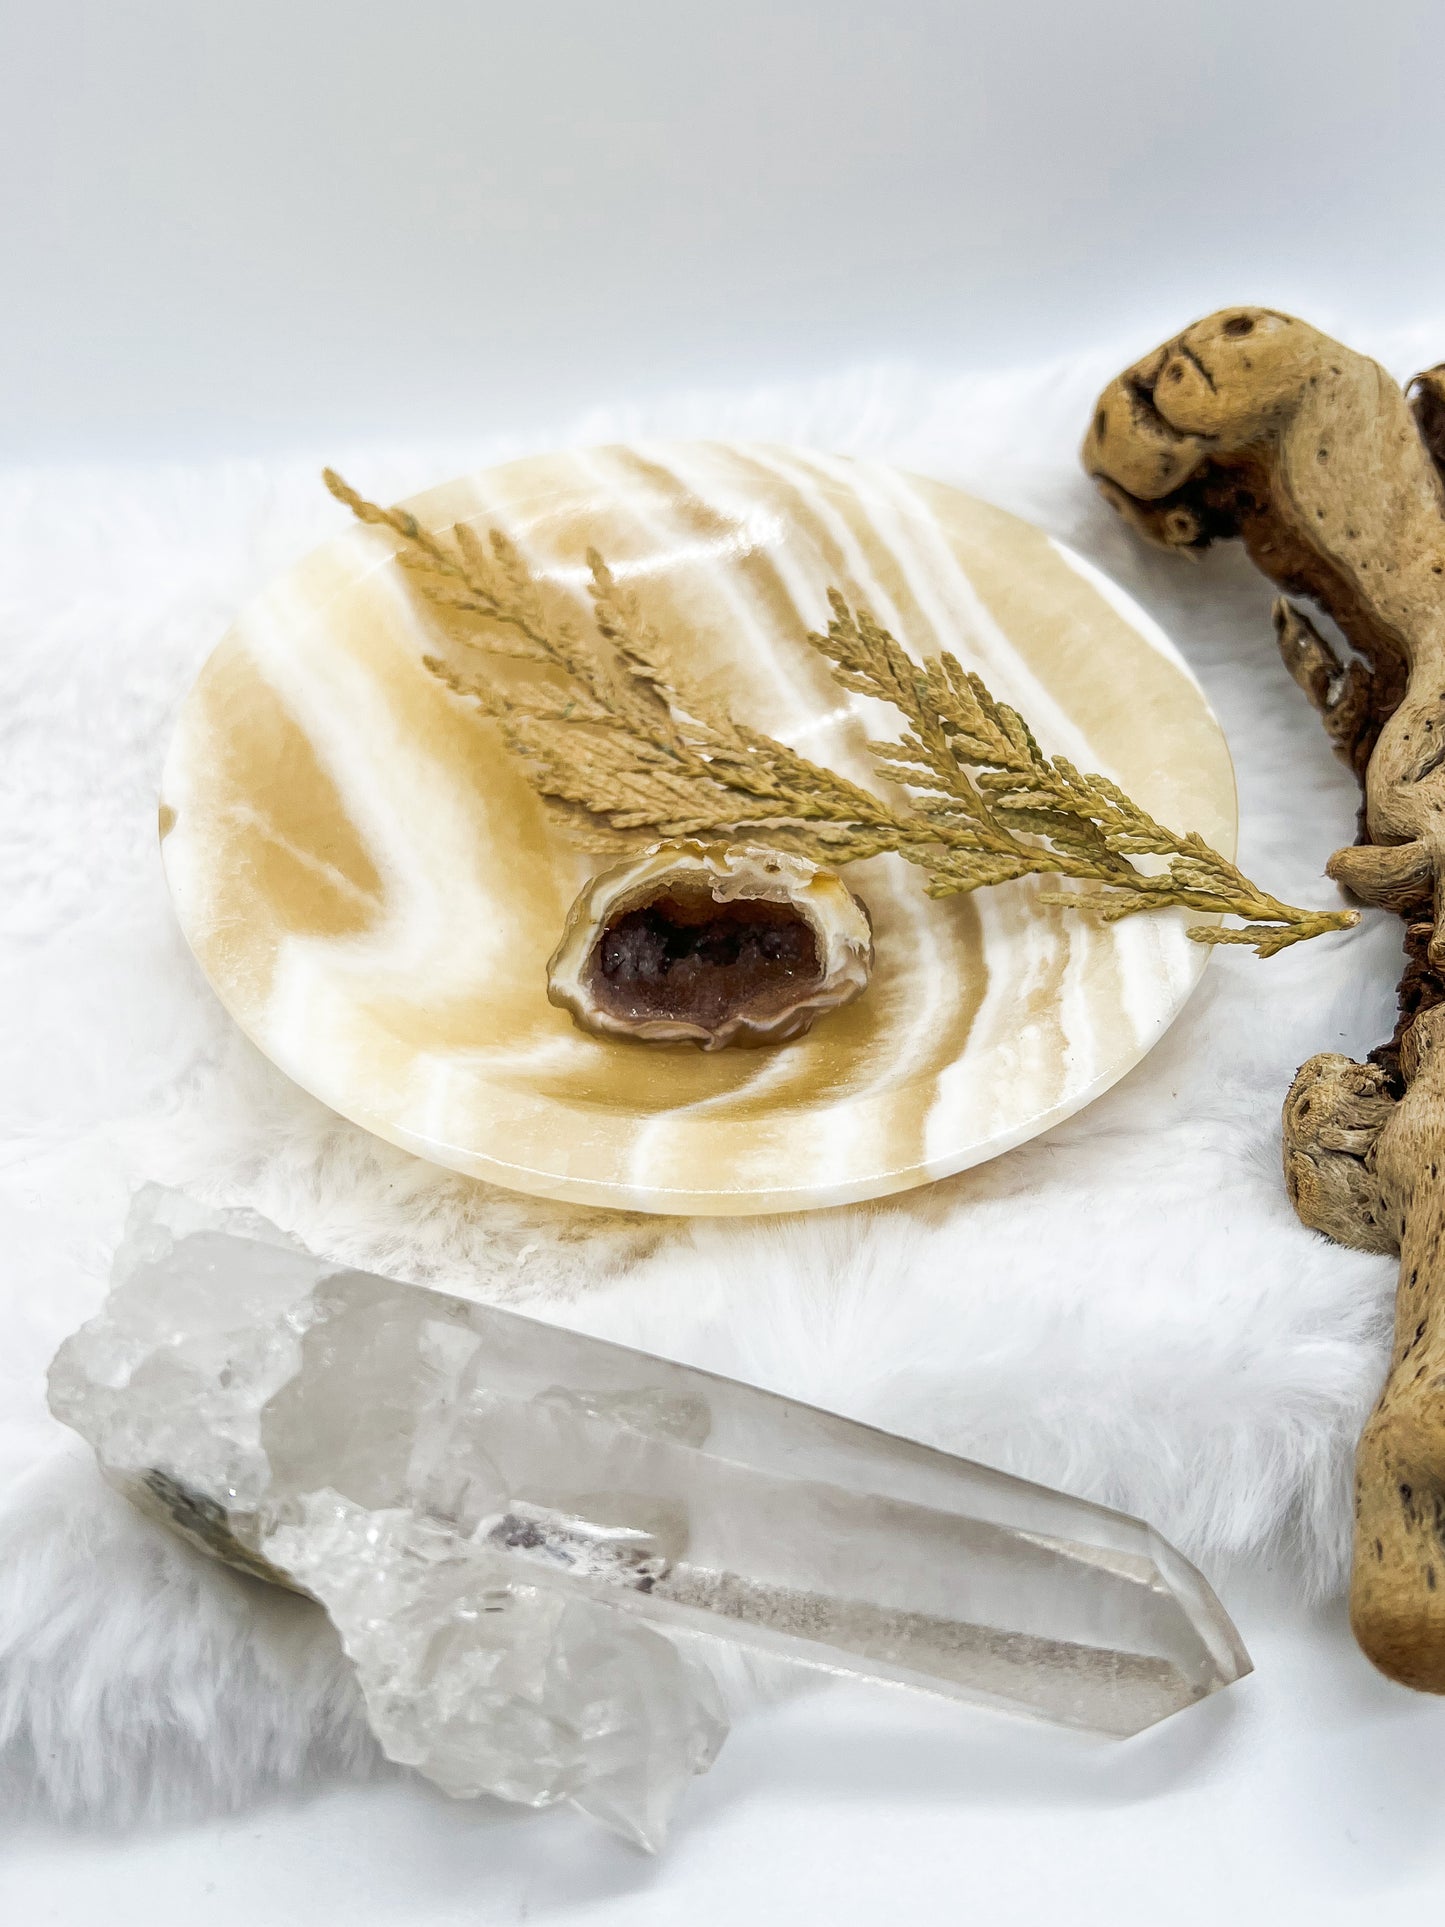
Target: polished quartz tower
pixel 527 1538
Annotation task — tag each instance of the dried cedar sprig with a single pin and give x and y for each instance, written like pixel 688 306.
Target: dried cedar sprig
pixel 1000 808
pixel 626 750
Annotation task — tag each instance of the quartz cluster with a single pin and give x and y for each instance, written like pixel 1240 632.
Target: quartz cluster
pixel 524 1535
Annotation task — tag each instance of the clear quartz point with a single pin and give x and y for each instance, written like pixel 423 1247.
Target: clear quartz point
pixel 519 1531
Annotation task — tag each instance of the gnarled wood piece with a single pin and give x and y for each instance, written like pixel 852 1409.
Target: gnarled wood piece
pixel 1252 424
pixel 1397 1589
pixel 1364 1168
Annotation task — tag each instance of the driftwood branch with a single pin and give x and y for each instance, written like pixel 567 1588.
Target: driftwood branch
pixel 1253 425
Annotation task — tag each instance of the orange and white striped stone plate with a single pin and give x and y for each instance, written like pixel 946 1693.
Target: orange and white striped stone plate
pixel 373 889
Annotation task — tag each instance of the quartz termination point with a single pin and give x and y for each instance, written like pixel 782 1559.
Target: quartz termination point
pixel 525 1536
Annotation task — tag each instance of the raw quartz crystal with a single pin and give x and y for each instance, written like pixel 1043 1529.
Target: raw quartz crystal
pixel 523 1535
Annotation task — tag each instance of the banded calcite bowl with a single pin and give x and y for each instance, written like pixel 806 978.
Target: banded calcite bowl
pixel 374 891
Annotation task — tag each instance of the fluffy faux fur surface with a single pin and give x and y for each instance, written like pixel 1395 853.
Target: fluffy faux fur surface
pixel 1126 1307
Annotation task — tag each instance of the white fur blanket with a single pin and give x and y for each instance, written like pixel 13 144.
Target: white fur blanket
pixel 1126 1307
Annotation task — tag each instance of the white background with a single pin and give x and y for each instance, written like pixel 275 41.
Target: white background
pixel 1309 1794
pixel 238 229
pixel 228 227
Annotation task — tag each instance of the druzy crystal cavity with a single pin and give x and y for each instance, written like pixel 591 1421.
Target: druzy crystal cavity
pixel 713 945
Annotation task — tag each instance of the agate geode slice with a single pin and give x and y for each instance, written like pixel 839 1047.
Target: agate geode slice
pixel 711 945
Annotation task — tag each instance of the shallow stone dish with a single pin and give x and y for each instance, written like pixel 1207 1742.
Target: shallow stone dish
pixel 374 891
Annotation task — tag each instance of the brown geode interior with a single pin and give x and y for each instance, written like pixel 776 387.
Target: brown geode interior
pixel 684 955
